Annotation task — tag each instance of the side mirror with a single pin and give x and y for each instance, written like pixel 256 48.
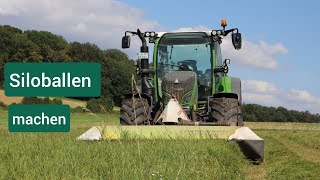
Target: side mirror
pixel 236 40
pixel 125 42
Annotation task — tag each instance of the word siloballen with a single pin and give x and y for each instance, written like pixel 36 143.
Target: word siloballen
pixel 65 80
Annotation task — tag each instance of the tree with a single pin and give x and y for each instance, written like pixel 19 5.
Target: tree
pixel 85 52
pixel 250 118
pixel 116 54
pixel 3 57
pixel 119 69
pixel 100 105
pixel 12 29
pixel 47 39
pixel 34 57
pixel 61 56
pixel 16 47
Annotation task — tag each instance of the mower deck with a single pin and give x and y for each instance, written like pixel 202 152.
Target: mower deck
pixel 251 145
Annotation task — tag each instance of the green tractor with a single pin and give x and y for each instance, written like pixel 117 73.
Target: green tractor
pixel 188 84
pixel 186 95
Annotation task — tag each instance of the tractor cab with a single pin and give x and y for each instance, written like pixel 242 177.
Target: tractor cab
pixel 192 53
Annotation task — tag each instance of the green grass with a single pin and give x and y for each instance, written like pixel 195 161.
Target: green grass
pixel 289 154
pixel 288 158
pixel 283 125
pixel 31 156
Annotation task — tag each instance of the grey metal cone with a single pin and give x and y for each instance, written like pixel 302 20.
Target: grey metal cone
pixel 91 135
pixel 250 144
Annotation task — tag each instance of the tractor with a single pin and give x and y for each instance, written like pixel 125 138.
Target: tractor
pixel 188 84
pixel 186 95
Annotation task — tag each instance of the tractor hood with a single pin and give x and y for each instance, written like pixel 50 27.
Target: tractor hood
pixel 182 85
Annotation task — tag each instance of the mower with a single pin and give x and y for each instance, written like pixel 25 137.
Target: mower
pixel 186 94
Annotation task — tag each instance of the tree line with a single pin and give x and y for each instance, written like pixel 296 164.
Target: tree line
pixel 42 46
pixel 258 113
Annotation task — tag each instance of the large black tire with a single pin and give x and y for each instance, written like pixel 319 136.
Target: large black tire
pixel 127 113
pixel 226 111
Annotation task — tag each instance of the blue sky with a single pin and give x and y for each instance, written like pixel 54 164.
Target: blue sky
pixel 278 63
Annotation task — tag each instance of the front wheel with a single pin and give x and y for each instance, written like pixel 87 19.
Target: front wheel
pixel 134 113
pixel 226 111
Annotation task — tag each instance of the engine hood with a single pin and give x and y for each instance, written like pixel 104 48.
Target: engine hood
pixel 181 85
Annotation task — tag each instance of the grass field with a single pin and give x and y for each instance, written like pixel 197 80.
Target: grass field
pixel 71 102
pixel 292 152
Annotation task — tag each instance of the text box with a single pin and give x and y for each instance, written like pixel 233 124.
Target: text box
pixel 39 118
pixel 53 79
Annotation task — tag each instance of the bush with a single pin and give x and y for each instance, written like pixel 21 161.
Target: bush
pixel 2 105
pixel 56 101
pixel 78 109
pixel 46 100
pixel 94 106
pixel 30 100
pixel 36 100
pixel 101 105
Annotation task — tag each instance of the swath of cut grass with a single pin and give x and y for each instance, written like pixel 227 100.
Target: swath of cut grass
pixel 282 162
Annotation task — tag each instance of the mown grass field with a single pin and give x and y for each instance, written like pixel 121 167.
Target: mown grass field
pixel 292 151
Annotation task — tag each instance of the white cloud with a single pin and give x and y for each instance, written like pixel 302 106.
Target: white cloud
pixel 302 96
pixel 190 29
pixel 302 99
pixel 268 94
pixel 259 86
pixel 9 9
pixel 102 22
pixel 263 99
pixel 260 92
pixel 255 55
pixel 81 27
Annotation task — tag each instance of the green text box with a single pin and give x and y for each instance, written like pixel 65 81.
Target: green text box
pixel 39 118
pixel 53 79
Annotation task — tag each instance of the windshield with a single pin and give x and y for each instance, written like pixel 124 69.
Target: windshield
pixel 185 52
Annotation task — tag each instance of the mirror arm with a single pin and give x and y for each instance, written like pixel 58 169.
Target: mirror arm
pixel 131 32
pixel 231 30
pixel 142 38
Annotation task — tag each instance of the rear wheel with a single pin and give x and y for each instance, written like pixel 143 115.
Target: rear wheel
pixel 133 113
pixel 226 111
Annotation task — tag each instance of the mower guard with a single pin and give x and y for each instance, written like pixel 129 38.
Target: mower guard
pixel 250 144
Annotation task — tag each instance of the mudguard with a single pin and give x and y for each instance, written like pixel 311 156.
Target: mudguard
pixel 236 88
pixel 229 87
